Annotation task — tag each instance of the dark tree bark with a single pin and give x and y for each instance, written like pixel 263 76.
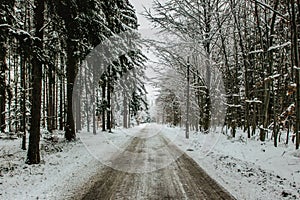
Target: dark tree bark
pixel 9 91
pixel 50 109
pixel 94 112
pixel 23 99
pixel 67 10
pixel 61 97
pixel 3 68
pixel 16 102
pixel 125 111
pixel 71 75
pixel 271 60
pixel 103 106
pixel 207 46
pixel 109 100
pixel 44 97
pixel 93 102
pixel 297 70
pixel 5 6
pixel 78 102
pixel 33 155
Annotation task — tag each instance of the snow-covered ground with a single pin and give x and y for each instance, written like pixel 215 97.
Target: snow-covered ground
pixel 247 168
pixel 65 166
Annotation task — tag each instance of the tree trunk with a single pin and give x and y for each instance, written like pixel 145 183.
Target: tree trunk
pixel 94 110
pixel 3 68
pixel 23 101
pixel 9 91
pixel 103 106
pixel 87 106
pixel 207 101
pixel 187 123
pixel 93 100
pixel 55 94
pixel 62 100
pixel 16 102
pixel 125 111
pixel 78 102
pixel 109 101
pixel 129 116
pixel 33 155
pixel 297 71
pixel 71 69
pixel 50 113
pixel 44 99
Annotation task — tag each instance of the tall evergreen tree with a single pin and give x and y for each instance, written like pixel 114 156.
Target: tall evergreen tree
pixel 83 27
pixel 33 156
pixel 6 8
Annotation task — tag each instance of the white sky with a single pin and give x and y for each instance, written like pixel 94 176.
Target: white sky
pixel 138 5
pixel 146 31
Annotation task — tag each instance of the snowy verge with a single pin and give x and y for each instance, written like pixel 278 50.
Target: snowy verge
pixel 65 166
pixel 247 168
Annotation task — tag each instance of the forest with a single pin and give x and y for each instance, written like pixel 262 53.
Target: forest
pixel 238 59
pixel 44 50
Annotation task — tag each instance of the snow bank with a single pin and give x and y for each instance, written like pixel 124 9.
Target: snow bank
pixel 65 166
pixel 247 168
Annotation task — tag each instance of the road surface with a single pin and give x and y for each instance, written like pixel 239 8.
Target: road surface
pixel 153 168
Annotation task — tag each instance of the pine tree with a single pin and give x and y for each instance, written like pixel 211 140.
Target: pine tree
pixel 33 156
pixel 5 22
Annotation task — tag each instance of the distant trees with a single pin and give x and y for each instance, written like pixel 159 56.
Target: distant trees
pixel 194 24
pixel 255 46
pixel 170 100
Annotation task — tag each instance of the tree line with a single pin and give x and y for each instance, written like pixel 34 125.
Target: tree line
pixel 44 46
pixel 252 47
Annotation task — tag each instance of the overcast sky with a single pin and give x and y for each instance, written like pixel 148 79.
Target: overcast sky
pixel 146 32
pixel 138 5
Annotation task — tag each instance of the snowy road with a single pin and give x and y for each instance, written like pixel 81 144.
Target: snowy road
pixel 162 172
